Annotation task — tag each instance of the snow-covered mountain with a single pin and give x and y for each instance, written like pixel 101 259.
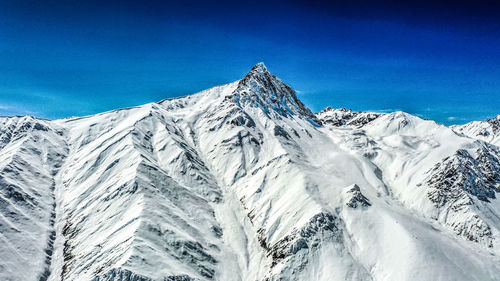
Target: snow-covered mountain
pixel 488 130
pixel 243 182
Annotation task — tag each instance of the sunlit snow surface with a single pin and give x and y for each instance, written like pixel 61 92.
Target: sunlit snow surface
pixel 488 130
pixel 243 182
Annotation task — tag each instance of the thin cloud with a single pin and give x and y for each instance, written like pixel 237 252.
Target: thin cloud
pixel 15 110
pixel 455 118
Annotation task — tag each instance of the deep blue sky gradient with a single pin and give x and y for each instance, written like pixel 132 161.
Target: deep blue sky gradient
pixel 437 60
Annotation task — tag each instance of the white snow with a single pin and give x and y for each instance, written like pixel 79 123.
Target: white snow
pixel 488 130
pixel 241 182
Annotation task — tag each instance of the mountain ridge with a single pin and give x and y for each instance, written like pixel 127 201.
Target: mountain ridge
pixel 242 182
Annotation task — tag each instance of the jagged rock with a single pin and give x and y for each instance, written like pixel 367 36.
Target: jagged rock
pixel 354 198
pixel 457 180
pixel 345 117
pixel 121 275
pixel 478 174
pixel 488 130
pixel 260 88
pixel 291 252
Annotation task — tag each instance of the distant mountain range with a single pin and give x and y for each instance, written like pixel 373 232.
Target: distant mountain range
pixel 243 182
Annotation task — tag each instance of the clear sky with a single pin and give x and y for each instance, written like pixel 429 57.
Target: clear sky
pixel 436 59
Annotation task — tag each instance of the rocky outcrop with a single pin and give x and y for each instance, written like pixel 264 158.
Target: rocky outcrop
pixel 458 180
pixel 354 198
pixel 338 117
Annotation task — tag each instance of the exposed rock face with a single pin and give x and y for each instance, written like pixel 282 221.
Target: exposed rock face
pixel 495 124
pixel 355 199
pixel 476 173
pixel 260 88
pixel 488 130
pixel 289 256
pixel 126 275
pixel 457 180
pixel 345 117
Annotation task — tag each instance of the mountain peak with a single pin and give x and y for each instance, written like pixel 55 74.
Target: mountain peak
pixel 262 89
pixel 259 68
pixel 495 124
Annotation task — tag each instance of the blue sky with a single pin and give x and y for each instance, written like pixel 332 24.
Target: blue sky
pixel 66 58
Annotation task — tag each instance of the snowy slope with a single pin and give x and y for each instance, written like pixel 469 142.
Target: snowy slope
pixel 488 130
pixel 243 182
pixel 31 152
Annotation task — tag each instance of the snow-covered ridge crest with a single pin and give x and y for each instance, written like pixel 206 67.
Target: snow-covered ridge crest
pixel 345 117
pixel 488 130
pixel 240 182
